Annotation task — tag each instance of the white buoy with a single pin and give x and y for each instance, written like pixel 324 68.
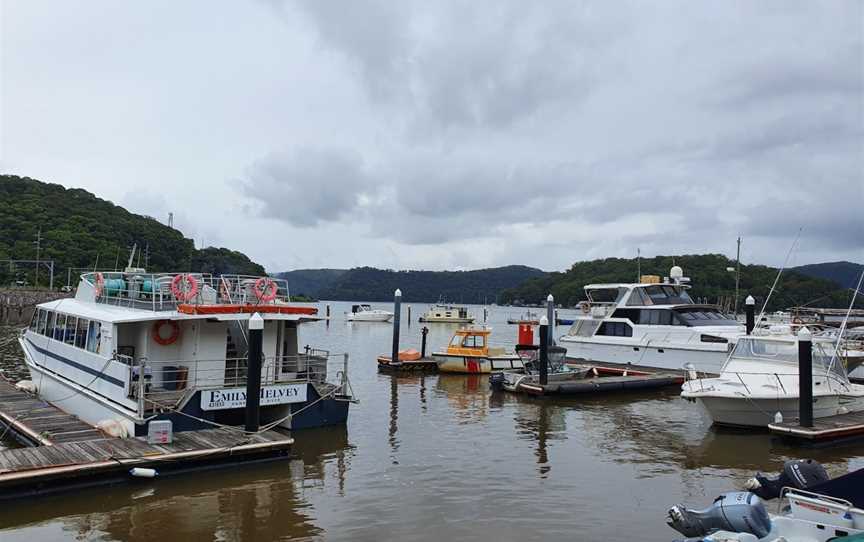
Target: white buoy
pixel 139 472
pixel 778 417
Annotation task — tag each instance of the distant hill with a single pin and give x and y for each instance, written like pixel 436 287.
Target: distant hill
pixel 310 282
pixel 710 281
pixel 80 230
pixel 371 284
pixel 845 274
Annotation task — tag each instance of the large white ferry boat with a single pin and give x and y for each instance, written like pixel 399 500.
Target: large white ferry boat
pixel 132 347
pixel 653 323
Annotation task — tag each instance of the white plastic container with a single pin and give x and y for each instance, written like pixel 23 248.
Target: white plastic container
pixel 160 432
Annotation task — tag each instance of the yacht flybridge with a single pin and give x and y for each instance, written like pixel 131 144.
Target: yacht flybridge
pixel 132 347
pixel 653 323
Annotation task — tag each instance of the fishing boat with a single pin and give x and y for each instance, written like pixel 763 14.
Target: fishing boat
pixel 132 347
pixel 760 380
pixel 653 323
pixel 365 313
pixel 469 352
pixel 527 379
pixel 441 313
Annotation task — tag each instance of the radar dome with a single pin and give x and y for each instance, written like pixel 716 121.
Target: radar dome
pixel 676 272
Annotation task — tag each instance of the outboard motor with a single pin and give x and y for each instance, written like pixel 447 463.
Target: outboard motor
pixel 798 474
pixel 739 512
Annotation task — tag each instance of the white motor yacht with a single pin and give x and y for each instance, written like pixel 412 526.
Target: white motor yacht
pixel 365 313
pixel 653 323
pixel 760 379
pixel 133 346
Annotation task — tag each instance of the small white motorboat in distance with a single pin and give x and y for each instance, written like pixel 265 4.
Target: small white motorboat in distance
pixel 760 379
pixel 365 313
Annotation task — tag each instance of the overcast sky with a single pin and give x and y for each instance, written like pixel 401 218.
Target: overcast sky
pixel 435 135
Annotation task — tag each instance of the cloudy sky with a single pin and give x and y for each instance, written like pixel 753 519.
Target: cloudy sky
pixel 463 134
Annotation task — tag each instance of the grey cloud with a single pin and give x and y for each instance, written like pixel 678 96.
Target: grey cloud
pixel 307 186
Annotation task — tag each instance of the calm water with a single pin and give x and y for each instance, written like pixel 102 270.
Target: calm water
pixel 437 458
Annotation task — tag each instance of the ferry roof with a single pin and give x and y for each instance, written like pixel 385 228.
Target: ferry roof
pixel 118 315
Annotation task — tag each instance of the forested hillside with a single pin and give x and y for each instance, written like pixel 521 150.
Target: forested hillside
pixel 710 280
pixel 311 282
pixel 80 230
pixel 846 274
pixel 370 284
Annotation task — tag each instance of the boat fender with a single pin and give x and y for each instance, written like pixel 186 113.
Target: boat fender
pixel 139 472
pixel 170 339
pixel 594 371
pixel 184 286
pixel 26 386
pixel 739 512
pixel 112 428
pixel 265 289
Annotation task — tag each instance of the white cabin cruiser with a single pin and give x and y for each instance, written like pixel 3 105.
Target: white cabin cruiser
pixel 132 347
pixel 760 379
pixel 365 313
pixel 441 313
pixel 653 323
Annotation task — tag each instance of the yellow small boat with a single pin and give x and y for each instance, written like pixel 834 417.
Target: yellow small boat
pixel 469 352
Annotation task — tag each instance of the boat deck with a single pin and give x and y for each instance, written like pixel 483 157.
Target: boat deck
pixel 37 423
pixel 63 452
pixel 841 426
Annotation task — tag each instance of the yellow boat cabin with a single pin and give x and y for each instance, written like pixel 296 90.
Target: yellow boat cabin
pixel 469 352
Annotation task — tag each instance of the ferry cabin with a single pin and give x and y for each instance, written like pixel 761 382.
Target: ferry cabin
pixel 650 324
pixel 118 359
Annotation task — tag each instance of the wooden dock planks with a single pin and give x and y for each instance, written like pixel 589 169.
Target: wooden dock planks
pixel 38 422
pixel 829 428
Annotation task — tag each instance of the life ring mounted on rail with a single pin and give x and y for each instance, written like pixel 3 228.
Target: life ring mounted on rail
pixel 585 307
pixel 170 339
pixel 99 284
pixel 265 289
pixel 184 287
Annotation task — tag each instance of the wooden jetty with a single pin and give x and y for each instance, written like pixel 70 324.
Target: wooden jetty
pixel 831 428
pixel 63 452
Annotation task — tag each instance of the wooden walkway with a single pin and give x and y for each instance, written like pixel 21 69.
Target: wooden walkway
pixel 841 426
pixel 38 423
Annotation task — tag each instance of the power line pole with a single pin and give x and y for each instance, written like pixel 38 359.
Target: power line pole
pixel 737 273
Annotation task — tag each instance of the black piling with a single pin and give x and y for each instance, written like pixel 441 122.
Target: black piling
pixel 409 315
pixel 749 311
pixel 397 317
pixel 423 333
pixel 805 378
pixel 544 351
pixel 550 316
pixel 253 373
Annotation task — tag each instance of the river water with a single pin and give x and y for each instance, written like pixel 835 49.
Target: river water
pixel 436 458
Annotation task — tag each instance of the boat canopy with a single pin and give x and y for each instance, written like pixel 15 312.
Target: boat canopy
pixel 785 351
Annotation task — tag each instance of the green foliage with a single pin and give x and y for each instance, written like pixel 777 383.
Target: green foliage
pixel 708 273
pixel 846 274
pixel 371 284
pixel 80 230
pixel 310 282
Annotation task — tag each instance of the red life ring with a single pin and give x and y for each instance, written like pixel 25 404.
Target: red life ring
pixel 99 284
pixel 189 288
pixel 171 339
pixel 265 289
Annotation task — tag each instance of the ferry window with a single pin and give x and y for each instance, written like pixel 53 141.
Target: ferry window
pixel 49 329
pixel 60 327
pixel 71 325
pixel 43 321
pixel 94 335
pixel 475 341
pixel 34 320
pixel 81 333
pixel 456 340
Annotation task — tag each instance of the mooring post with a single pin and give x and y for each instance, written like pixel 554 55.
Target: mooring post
pixel 805 378
pixel 550 317
pixel 253 373
pixel 397 317
pixel 409 315
pixel 544 350
pixel 423 333
pixel 749 310
pixel 484 314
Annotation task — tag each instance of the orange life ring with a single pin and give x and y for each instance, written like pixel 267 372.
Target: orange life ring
pixel 189 288
pixel 99 284
pixel 171 339
pixel 265 289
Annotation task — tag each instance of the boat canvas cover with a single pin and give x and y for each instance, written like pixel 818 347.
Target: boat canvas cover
pixel 849 487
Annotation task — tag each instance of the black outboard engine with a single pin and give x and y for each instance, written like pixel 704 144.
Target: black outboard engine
pixel 496 381
pixel 798 474
pixel 738 512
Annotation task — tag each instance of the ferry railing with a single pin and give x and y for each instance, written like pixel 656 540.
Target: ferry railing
pixel 154 291
pixel 166 383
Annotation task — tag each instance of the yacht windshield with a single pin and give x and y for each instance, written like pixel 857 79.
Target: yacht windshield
pixel 666 294
pixel 605 295
pixel 787 352
pixel 704 316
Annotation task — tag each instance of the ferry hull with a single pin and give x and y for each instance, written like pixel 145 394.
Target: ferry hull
pixel 475 365
pixel 706 360
pixel 748 412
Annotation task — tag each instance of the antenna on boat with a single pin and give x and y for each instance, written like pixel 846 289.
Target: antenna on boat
pixel 845 321
pixel 638 265
pixel 737 273
pixel 779 272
